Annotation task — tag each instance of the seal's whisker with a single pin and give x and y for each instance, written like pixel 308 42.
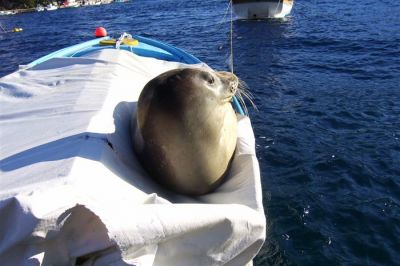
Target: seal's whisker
pixel 244 92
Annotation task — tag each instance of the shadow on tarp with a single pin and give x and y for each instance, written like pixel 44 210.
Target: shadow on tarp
pixel 78 230
pixel 115 151
pixel 77 237
pixel 82 234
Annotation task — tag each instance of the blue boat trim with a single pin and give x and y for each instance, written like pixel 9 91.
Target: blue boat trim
pixel 237 106
pixel 67 52
pixel 182 56
pixel 147 47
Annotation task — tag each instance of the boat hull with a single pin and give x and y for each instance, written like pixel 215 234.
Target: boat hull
pixel 70 177
pixel 262 9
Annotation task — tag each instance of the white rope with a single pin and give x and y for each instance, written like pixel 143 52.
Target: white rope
pixel 231 55
pixel 1 26
pixel 121 38
pixel 223 20
pixel 276 9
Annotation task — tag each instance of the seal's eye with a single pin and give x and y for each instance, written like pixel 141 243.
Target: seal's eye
pixel 208 77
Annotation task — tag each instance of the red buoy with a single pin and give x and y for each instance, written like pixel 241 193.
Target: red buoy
pixel 100 32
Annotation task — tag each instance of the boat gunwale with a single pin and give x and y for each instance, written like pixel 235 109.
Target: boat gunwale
pixel 176 54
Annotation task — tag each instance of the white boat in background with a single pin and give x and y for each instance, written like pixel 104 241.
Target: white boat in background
pixel 39 8
pixel 259 9
pixel 71 3
pixel 51 7
pixel 7 12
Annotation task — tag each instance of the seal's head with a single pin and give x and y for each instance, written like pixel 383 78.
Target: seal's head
pixel 185 132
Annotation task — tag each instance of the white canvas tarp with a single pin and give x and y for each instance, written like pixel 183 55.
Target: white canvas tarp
pixel 72 191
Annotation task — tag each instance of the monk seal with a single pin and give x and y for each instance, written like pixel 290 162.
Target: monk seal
pixel 186 129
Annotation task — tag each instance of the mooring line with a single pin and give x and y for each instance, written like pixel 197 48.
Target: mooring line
pixel 231 55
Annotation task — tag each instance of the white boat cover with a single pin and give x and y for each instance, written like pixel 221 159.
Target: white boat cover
pixel 72 191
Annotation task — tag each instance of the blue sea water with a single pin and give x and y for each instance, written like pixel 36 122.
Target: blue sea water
pixel 326 83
